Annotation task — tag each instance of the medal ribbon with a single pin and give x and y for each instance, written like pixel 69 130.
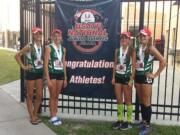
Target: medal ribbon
pixel 141 54
pixel 123 55
pixel 59 54
pixel 38 51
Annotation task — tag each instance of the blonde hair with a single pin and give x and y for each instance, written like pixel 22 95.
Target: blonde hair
pixel 130 49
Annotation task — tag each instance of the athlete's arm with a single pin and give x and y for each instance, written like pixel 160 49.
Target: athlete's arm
pixel 133 63
pixel 46 62
pixel 18 57
pixel 114 68
pixel 162 62
pixel 64 64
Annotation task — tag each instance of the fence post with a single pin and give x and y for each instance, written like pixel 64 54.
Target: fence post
pixel 38 23
pixel 22 91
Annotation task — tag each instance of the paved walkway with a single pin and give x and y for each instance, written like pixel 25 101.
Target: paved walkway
pixel 13 114
pixel 14 117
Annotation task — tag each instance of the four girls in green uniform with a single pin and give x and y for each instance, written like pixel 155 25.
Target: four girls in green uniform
pixel 131 63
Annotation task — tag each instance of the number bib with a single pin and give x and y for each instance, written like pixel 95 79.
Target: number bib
pixel 58 65
pixel 121 69
pixel 139 66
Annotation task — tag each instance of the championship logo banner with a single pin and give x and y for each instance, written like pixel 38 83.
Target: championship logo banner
pixel 90 37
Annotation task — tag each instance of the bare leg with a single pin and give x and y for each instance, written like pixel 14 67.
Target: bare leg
pixel 52 99
pixel 119 93
pixel 59 84
pixel 39 86
pixel 146 94
pixel 119 98
pixel 138 90
pixel 127 94
pixel 30 90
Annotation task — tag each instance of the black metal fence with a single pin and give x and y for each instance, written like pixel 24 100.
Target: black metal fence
pixel 161 16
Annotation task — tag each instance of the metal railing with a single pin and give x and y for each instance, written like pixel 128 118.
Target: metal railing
pixel 161 16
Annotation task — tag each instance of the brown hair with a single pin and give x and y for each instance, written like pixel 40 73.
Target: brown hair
pixel 149 44
pixel 130 49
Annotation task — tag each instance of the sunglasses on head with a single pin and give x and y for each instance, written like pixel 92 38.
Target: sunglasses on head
pixel 141 35
pixel 124 37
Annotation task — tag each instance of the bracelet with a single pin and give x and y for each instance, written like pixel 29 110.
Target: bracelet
pixel 131 81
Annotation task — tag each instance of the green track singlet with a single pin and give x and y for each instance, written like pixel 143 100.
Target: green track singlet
pixel 35 58
pixel 124 62
pixel 144 63
pixel 56 58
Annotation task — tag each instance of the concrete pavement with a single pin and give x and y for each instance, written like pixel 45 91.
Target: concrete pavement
pixel 14 116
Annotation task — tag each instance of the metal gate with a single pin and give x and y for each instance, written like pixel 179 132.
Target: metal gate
pixel 161 16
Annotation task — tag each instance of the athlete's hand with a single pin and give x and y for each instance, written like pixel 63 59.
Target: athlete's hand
pixel 49 84
pixel 150 75
pixel 65 83
pixel 130 83
pixel 27 67
pixel 113 81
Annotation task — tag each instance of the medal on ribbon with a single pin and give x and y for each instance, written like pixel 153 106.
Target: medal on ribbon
pixel 57 63
pixel 38 62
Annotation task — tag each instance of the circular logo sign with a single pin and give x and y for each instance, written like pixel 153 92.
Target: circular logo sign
pixel 88 32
